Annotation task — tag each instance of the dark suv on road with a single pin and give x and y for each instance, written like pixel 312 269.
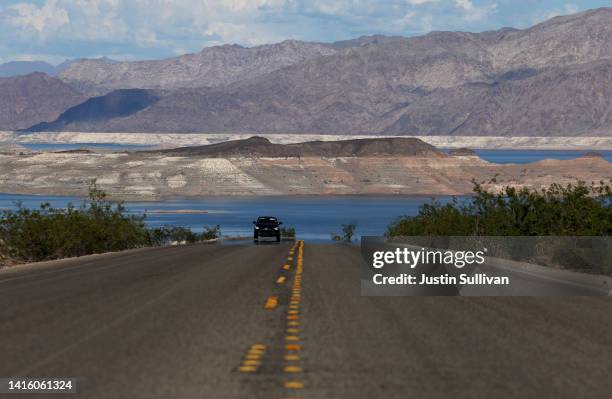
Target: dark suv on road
pixel 267 227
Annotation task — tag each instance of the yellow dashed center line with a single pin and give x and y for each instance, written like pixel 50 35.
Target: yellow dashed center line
pixel 254 357
pixel 271 302
pixel 294 385
pixel 252 360
pixel 293 346
pixel 293 369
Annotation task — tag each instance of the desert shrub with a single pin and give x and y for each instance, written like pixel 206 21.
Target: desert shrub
pixel 348 231
pixel 287 232
pixel 98 225
pixel 572 210
pixel 211 233
pixel 171 234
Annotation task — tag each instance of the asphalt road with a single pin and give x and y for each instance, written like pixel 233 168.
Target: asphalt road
pixel 191 322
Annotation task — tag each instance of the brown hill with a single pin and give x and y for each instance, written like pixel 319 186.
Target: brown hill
pixel 262 147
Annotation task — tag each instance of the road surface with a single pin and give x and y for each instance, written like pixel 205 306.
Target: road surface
pixel 208 321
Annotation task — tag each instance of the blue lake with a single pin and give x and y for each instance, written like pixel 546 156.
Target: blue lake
pixel 528 156
pixel 314 218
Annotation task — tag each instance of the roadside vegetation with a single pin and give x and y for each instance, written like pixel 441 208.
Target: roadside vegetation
pixel 96 226
pixel 288 233
pixel 173 235
pixel 525 225
pixel 348 231
pixel 572 210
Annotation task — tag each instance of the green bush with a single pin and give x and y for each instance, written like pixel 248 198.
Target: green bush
pixel 98 225
pixel 168 235
pixel 210 233
pixel 287 232
pixel 348 231
pixel 531 216
pixel 572 210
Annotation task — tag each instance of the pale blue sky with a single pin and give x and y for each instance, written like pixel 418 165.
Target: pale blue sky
pixel 53 30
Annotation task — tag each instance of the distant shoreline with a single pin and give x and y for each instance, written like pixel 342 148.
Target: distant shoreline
pixel 81 196
pixel 256 166
pixel 194 139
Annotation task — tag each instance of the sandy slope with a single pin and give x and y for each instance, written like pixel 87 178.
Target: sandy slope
pixel 150 176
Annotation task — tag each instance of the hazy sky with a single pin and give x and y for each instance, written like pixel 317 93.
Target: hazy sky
pixel 53 30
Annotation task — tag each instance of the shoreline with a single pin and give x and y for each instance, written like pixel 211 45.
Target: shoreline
pixel 602 143
pixel 240 197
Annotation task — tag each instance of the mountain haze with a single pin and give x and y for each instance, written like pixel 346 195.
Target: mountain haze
pixel 17 68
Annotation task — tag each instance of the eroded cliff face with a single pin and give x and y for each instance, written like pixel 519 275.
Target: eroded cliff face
pixel 153 176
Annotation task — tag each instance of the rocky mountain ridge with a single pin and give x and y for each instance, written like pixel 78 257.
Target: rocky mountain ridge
pixel 553 79
pixel 212 67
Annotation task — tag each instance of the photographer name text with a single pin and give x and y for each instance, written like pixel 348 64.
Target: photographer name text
pixel 446 279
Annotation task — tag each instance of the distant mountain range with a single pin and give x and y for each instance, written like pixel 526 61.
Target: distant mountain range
pixel 554 79
pixel 16 68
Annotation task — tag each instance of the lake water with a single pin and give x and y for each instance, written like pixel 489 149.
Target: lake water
pixel 528 156
pixel 314 218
